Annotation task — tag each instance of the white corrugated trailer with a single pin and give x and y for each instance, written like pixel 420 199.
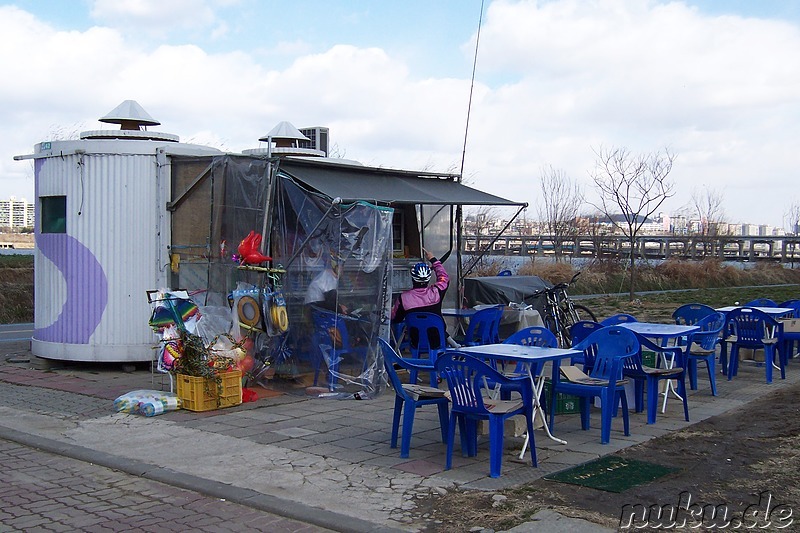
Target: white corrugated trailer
pixel 102 241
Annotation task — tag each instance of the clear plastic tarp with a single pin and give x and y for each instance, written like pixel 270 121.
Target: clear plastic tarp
pixel 337 285
pixel 311 317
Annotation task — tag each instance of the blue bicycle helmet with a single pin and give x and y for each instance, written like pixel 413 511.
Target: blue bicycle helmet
pixel 421 273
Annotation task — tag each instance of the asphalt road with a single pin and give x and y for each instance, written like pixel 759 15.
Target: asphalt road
pixel 16 332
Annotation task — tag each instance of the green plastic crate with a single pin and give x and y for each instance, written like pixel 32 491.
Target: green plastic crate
pixel 649 358
pixel 566 404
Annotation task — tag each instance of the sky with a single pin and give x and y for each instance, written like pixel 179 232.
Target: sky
pixel 715 82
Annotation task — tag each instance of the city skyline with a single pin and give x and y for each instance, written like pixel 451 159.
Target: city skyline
pixel 555 80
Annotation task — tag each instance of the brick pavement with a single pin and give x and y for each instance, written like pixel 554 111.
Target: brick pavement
pixel 40 491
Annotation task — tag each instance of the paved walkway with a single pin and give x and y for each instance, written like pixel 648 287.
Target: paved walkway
pixel 41 491
pixel 320 461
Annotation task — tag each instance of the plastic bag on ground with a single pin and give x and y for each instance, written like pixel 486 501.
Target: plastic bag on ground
pixel 147 402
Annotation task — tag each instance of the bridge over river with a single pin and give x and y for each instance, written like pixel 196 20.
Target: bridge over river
pixel 728 248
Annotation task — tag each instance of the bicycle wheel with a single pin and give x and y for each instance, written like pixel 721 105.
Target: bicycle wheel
pixel 551 323
pixel 584 313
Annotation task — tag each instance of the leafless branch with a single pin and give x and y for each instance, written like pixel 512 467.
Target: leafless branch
pixel 633 186
pixel 558 206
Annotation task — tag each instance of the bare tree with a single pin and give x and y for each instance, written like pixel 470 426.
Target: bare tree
pixel 337 152
pixel 482 219
pixel 558 207
pixel 589 225
pixel 479 223
pixel 633 186
pixel 791 220
pixel 708 205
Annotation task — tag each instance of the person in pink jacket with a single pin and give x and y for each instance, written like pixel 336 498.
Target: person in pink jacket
pixel 423 297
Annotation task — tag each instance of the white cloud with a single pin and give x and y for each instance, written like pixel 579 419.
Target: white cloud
pixel 722 92
pixel 645 75
pixel 154 16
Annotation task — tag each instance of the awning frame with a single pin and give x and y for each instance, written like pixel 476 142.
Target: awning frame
pixel 405 187
pixel 410 179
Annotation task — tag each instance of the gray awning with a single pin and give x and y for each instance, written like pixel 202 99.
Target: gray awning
pixel 352 182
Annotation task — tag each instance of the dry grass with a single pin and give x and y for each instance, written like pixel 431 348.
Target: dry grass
pixel 673 283
pixel 16 289
pixel 610 277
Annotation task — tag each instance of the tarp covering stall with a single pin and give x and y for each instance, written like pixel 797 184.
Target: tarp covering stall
pixel 515 292
pixel 504 290
pixel 387 186
pixel 337 258
pixel 307 234
pixel 327 225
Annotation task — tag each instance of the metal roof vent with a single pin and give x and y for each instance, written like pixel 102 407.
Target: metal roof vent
pixel 133 121
pixel 287 140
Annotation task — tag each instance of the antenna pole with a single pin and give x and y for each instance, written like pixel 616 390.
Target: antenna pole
pixel 459 208
pixel 471 87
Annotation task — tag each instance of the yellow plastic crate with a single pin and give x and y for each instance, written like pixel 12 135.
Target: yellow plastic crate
pixel 201 394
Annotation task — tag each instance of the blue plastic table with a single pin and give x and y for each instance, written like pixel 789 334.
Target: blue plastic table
pixel 527 355
pixel 663 333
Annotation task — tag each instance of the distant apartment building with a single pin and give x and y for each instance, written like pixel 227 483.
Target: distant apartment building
pixel 317 139
pixel 725 228
pixel 679 225
pixel 16 213
pixel 749 230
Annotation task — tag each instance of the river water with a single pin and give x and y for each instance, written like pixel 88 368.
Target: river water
pixel 514 262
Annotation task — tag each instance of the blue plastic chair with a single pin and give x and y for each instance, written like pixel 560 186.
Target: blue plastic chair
pixel 400 337
pixel 426 337
pixel 691 314
pixel 582 329
pixel 702 346
pixel 618 319
pixel 792 304
pixel 531 336
pixel 466 378
pixel 761 302
pixel 790 337
pixel 633 368
pixel 409 397
pixel 484 327
pixel 333 343
pixel 579 331
pixel 606 347
pixel 755 329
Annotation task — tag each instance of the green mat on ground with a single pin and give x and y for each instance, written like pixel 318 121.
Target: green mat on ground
pixel 611 474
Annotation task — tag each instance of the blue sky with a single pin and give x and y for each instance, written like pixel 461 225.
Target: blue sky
pixel 716 81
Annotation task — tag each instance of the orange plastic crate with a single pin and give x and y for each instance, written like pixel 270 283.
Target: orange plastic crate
pixel 200 394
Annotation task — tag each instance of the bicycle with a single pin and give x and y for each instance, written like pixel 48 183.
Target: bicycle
pixel 560 312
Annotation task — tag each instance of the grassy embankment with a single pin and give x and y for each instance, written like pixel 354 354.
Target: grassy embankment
pixel 16 289
pixel 710 282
